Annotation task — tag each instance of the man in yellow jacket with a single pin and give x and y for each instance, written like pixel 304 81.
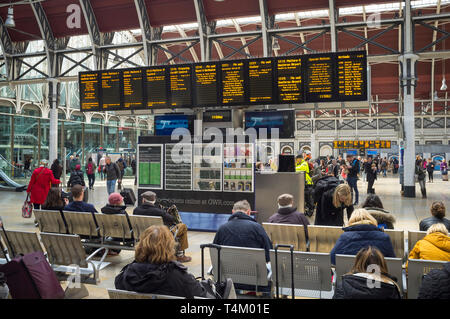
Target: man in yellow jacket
pixel 302 166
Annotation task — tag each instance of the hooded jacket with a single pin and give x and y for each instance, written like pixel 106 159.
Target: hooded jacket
pixel 359 236
pixel 290 215
pixel 76 178
pixel 170 279
pixel 355 286
pixel 383 217
pixel 242 230
pixel 435 246
pixel 436 284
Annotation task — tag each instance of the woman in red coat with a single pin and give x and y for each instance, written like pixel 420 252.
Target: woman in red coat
pixel 40 184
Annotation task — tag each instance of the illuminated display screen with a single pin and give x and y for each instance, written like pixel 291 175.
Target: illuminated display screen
pixel 281 120
pixel 166 124
pixel 156 87
pixel 89 91
pixel 132 89
pixel 313 78
pixel 233 82
pixel 205 81
pixel 260 81
pixel 289 80
pixel 216 116
pixel 111 90
pixel 180 85
pixel 361 144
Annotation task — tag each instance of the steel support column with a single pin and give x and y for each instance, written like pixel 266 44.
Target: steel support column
pixel 333 20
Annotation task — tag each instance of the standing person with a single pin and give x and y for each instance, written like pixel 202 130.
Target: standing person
pixel 27 166
pixel 420 172
pixel 395 162
pixel 444 171
pixel 76 177
pixel 113 175
pixel 57 170
pixel 302 166
pixel 75 160
pixel 39 185
pixel 352 176
pixel 90 172
pixel 430 170
pixel 371 173
pixel 101 165
pixel 384 164
pixel 133 167
pixel 122 165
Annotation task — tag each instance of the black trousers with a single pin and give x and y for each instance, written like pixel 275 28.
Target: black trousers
pixel 370 189
pixel 91 178
pixel 309 201
pixel 430 175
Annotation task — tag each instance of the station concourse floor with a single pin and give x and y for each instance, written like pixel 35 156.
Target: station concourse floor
pixel 407 211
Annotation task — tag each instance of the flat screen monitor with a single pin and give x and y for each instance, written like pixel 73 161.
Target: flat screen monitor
pixel 166 124
pixel 284 121
pixel 286 163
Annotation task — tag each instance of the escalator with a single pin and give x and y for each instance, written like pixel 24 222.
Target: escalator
pixel 6 183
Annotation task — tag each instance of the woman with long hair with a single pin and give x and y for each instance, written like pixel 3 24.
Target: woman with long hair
pixel 56 168
pixel 332 203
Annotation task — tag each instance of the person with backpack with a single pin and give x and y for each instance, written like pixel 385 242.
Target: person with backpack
pixel 122 165
pixel 90 172
pixel 76 177
pixel 352 175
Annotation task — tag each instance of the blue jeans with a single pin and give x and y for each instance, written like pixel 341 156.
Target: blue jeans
pixel 111 186
pixel 352 182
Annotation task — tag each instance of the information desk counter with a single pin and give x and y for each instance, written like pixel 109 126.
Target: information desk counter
pixel 268 186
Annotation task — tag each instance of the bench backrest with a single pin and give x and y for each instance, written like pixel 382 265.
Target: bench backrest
pixel 81 223
pixel 21 242
pixel 286 234
pixel 311 270
pixel 398 241
pixel 50 221
pixel 344 264
pixel 242 265
pixel 323 238
pixel 141 223
pixel 114 226
pixel 417 268
pixel 123 294
pixel 414 237
pixel 64 250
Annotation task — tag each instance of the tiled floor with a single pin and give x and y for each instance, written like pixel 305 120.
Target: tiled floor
pixel 408 212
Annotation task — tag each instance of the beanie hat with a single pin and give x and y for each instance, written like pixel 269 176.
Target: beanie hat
pixel 115 199
pixel 77 167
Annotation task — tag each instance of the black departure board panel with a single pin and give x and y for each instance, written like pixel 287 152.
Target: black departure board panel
pixel 180 85
pixel 319 78
pixel 89 91
pixel 260 81
pixel 361 144
pixel 133 97
pixel 206 84
pixel 156 87
pixel 111 90
pixel 309 78
pixel 352 74
pixel 289 80
pixel 233 82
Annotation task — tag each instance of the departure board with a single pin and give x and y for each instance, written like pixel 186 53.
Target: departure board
pixel 380 144
pixel 352 74
pixel 180 85
pixel 319 78
pixel 132 89
pixel 156 87
pixel 89 91
pixel 289 80
pixel 260 81
pixel 111 90
pixel 233 82
pixel 206 86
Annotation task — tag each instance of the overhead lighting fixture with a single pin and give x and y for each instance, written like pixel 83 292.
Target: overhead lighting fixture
pixel 443 86
pixel 436 97
pixel 219 0
pixel 116 58
pixel 9 23
pixel 275 44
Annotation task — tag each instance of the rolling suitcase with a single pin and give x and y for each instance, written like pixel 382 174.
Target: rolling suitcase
pixel 30 276
pixel 128 196
pixel 291 248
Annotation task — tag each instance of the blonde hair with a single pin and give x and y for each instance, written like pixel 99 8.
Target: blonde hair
pixel 437 228
pixel 361 216
pixel 342 190
pixel 156 246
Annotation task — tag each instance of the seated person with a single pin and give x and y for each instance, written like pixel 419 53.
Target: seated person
pixel 78 205
pixel 362 231
pixel 355 284
pixel 55 200
pixel 436 284
pixel 287 214
pixel 434 246
pixel 155 269
pixel 438 216
pixel 148 208
pixel 242 230
pixel 375 208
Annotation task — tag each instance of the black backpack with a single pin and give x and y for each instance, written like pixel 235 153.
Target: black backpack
pixel 324 185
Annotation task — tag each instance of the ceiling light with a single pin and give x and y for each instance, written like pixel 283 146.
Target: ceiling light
pixel 275 44
pixel 443 86
pixel 9 23
pixel 436 97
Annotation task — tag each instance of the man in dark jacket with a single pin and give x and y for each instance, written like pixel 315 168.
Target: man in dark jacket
pixel 354 286
pixel 352 176
pixel 371 171
pixel 438 216
pixel 436 284
pixel 287 214
pixel 113 174
pixel 76 177
pixel 148 208
pixel 78 205
pixel 242 230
